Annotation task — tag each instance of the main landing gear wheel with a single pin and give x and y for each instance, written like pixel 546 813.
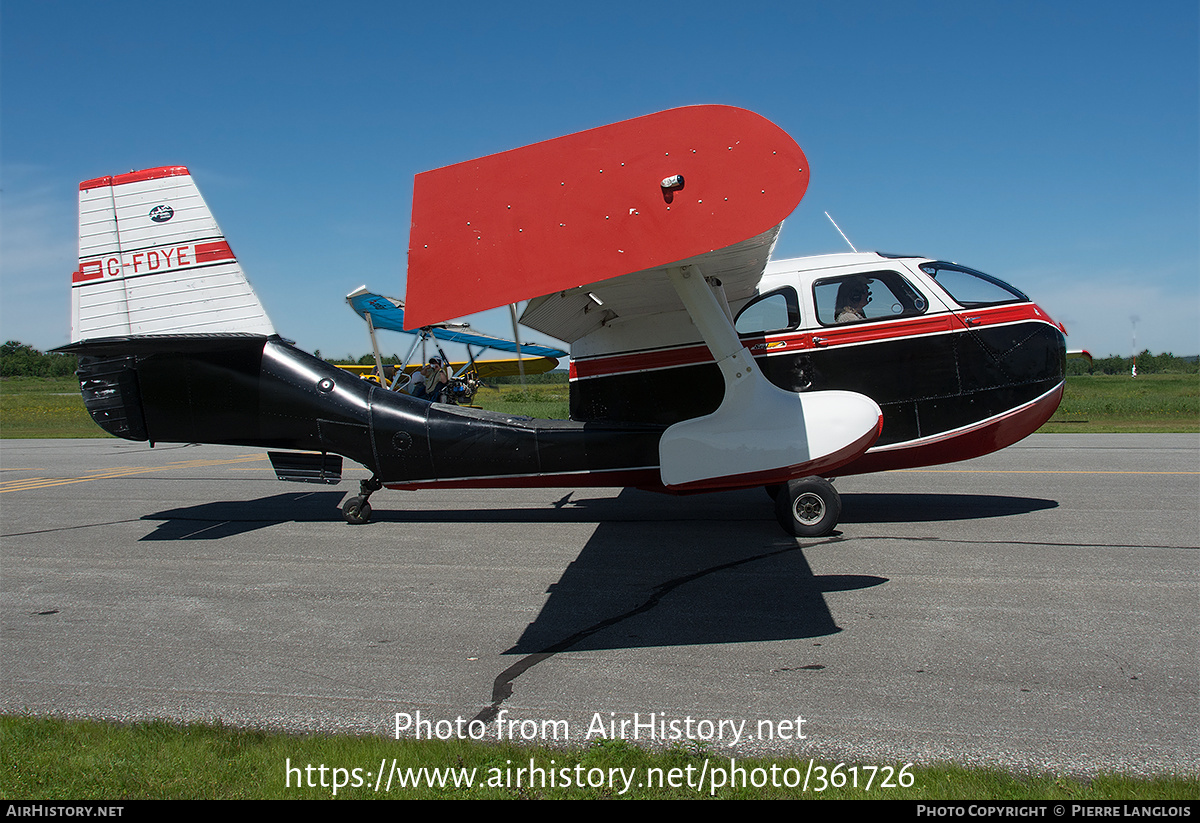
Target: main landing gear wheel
pixel 357 510
pixel 808 507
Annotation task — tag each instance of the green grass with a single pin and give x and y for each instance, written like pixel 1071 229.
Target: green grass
pixel 54 759
pixel 1120 403
pixel 43 407
pixel 546 401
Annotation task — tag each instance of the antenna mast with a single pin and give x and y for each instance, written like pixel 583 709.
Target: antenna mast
pixel 842 233
pixel 1134 320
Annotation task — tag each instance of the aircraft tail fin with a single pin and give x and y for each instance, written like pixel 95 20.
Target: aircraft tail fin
pixel 153 261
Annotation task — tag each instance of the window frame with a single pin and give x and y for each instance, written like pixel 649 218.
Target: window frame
pixel 919 301
pixel 791 300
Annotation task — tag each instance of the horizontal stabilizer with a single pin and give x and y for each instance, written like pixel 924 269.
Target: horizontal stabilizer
pixel 307 467
pixel 679 185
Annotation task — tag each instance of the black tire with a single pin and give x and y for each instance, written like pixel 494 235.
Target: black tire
pixel 808 507
pixel 356 511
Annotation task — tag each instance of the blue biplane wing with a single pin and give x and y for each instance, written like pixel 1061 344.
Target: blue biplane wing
pixel 388 313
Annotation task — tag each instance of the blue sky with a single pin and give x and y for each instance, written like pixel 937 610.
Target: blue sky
pixel 1053 144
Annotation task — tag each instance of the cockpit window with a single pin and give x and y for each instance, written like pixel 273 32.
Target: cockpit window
pixel 972 289
pixel 857 298
pixel 774 311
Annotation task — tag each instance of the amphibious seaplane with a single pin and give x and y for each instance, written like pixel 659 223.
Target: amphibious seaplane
pixel 697 363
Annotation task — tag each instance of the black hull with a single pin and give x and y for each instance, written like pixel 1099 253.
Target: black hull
pixel 250 390
pixel 926 385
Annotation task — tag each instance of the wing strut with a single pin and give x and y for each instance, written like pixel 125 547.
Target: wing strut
pixel 512 309
pixel 760 434
pixel 375 350
pixel 402 371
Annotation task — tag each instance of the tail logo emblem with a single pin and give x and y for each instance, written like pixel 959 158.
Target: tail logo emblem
pixel 161 214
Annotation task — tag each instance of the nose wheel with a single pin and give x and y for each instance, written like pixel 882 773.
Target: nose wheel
pixel 808 507
pixel 357 510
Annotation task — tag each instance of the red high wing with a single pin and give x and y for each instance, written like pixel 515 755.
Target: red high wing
pixel 592 206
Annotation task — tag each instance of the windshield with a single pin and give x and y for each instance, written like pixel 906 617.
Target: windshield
pixel 970 288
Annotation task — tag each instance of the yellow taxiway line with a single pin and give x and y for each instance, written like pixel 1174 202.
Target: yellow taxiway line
pixel 27 483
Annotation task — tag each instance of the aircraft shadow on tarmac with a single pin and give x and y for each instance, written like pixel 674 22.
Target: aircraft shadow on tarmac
pixel 672 584
pixel 658 570
pixel 929 508
pixel 638 584
pixel 723 575
pixel 212 521
pixel 226 518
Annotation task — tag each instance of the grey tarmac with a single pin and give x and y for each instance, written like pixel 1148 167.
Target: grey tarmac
pixel 1036 609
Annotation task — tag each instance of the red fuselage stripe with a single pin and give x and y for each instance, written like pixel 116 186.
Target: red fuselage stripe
pixel 626 363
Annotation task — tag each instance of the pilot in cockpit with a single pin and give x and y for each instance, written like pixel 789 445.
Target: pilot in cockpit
pixel 853 295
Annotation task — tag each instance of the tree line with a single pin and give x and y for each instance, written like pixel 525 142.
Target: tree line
pixel 20 360
pixel 1147 363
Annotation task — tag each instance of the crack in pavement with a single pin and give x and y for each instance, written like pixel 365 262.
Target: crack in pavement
pixel 502 686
